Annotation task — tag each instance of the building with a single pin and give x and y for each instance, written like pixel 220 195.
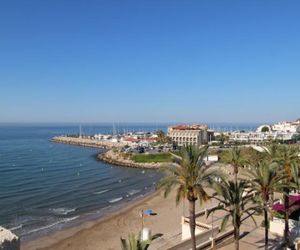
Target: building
pixel 289 127
pixel 189 134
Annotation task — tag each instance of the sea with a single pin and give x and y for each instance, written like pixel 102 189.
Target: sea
pixel 47 186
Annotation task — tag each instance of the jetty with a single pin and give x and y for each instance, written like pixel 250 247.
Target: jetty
pixel 87 142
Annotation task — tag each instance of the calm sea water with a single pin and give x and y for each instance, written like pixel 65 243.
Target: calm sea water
pixel 45 186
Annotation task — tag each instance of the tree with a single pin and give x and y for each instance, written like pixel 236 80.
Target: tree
pixel 272 151
pixel 222 138
pixel 265 129
pixel 234 199
pixel 236 160
pixel 191 177
pixel 160 136
pixel 134 243
pixel 288 159
pixel 265 179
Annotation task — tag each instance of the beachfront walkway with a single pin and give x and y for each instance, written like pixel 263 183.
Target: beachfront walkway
pixel 253 237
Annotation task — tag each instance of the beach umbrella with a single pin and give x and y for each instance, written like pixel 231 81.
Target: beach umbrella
pixel 148 212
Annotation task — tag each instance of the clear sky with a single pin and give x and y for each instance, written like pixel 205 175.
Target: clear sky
pixel 149 61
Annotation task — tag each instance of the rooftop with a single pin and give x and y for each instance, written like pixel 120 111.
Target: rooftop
pixel 190 127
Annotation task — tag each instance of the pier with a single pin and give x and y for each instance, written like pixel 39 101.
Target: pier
pixel 87 142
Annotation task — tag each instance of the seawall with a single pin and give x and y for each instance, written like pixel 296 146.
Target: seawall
pixel 85 142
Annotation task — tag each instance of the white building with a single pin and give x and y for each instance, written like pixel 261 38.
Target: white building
pixel 282 131
pixel 290 127
pixel 188 134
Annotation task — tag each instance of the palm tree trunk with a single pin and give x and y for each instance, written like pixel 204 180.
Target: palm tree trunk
pixel 266 227
pixel 192 223
pixel 236 170
pixel 236 237
pixel 286 216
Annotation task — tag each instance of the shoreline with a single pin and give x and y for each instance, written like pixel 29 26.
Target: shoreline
pixel 105 233
pixel 59 236
pixel 109 156
pixel 88 217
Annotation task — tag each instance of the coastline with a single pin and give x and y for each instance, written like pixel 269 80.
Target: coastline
pixel 107 230
pixel 109 156
pixel 62 238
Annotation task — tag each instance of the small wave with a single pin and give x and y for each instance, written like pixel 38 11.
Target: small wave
pixel 104 208
pixel 51 225
pixel 70 219
pixel 115 200
pixel 16 227
pixel 134 191
pixel 62 210
pixel 102 192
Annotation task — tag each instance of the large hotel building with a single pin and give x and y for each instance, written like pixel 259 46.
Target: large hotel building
pixel 189 134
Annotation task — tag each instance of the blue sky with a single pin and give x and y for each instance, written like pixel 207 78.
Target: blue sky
pixel 149 61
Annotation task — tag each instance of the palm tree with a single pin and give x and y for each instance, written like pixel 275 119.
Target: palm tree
pixel 271 152
pixel 288 159
pixel 222 138
pixel 160 136
pixel 236 161
pixel 134 243
pixel 191 176
pixel 265 179
pixel 234 199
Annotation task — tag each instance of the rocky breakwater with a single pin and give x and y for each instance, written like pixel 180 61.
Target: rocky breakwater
pixel 87 142
pixel 118 159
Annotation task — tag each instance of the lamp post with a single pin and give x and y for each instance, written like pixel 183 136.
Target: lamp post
pixel 148 212
pixel 142 214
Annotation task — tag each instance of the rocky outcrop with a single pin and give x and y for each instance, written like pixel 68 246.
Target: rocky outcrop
pixel 116 158
pixel 8 241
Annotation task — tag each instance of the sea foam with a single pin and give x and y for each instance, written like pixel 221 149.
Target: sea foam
pixel 62 210
pixel 51 225
pixel 115 200
pixel 102 191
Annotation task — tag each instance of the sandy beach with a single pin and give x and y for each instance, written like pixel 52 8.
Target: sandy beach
pixel 106 232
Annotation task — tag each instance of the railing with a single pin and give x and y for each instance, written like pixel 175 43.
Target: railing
pixel 200 238
pixel 198 224
pixel 220 240
pixel 217 241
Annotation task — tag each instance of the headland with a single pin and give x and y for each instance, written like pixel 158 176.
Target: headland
pixel 114 153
